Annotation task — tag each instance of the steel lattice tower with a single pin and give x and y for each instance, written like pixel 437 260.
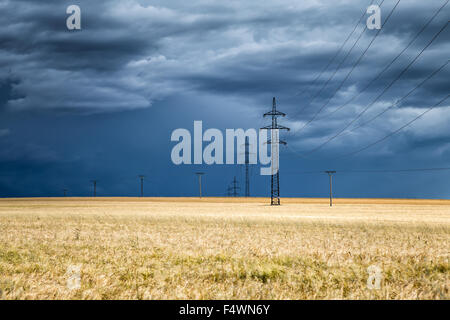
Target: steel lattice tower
pixel 247 162
pixel 275 142
pixel 94 182
pixel 141 178
pixel 233 190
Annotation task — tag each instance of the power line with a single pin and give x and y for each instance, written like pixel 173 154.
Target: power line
pixel 335 71
pixel 380 95
pixel 403 98
pixel 387 109
pixel 396 131
pixel 397 103
pixel 378 171
pixel 394 171
pixel 337 52
pixel 351 70
pixel 390 63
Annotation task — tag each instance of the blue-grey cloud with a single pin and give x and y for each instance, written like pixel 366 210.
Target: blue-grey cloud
pixel 139 55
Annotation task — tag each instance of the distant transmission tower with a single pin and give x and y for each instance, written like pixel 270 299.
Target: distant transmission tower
pixel 141 177
pixel 200 174
pixel 95 187
pixel 233 189
pixel 247 162
pixel 275 142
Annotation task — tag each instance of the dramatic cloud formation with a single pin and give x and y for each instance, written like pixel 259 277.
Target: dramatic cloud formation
pixel 142 55
pixel 131 52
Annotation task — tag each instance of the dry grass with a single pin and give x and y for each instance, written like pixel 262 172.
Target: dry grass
pixel 223 249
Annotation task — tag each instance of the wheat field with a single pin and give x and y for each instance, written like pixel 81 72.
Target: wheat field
pixel 221 248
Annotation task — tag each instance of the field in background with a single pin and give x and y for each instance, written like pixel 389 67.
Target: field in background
pixel 220 248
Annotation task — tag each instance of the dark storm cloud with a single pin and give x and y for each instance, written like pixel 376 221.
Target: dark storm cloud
pixel 133 54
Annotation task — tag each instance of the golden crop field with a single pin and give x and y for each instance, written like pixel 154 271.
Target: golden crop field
pixel 221 248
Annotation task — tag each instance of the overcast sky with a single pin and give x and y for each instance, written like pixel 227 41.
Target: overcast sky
pixel 102 102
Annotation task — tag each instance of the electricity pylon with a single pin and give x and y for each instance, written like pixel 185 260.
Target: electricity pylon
pixel 275 142
pixel 141 177
pixel 233 189
pixel 95 187
pixel 247 154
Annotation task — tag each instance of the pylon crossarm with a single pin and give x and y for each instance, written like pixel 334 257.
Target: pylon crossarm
pixel 274 113
pixel 278 127
pixel 279 142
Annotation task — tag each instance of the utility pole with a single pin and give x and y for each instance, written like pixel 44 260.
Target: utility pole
pixel 95 187
pixel 330 174
pixel 141 177
pixel 200 174
pixel 65 192
pixel 275 142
